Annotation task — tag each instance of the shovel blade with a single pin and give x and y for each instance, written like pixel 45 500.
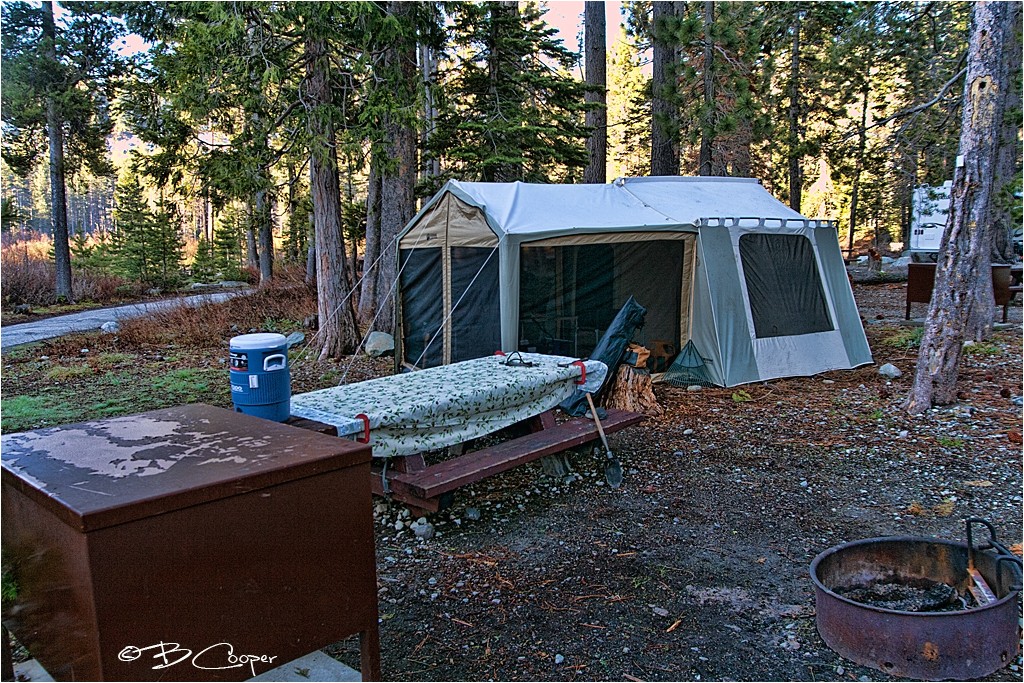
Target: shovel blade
pixel 613 472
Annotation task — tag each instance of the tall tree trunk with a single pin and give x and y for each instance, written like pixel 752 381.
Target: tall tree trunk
pixel 368 293
pixel 311 251
pixel 664 116
pixel 999 224
pixel 431 165
pixel 1008 152
pixel 261 210
pixel 707 119
pixel 862 141
pixel 338 332
pixel 252 254
pixel 793 149
pixel 58 190
pixel 501 12
pixel 595 72
pixel 964 254
pixel 398 178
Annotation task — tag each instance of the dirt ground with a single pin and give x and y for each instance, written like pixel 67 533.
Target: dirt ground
pixel 697 567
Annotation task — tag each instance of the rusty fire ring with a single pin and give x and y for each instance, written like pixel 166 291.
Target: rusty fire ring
pixel 955 645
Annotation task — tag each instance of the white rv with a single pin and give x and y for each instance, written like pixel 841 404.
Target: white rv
pixel 928 220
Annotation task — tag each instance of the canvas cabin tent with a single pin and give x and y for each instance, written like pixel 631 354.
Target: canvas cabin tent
pixel 760 290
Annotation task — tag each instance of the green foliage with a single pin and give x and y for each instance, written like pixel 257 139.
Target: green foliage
pixel 629 111
pixel 951 442
pixel 981 349
pixel 906 338
pixel 62 373
pixel 9 585
pixel 148 245
pixel 112 393
pixel 228 247
pixel 95 255
pixel 204 265
pixel 298 231
pixel 510 109
pixel 11 217
pixel 742 396
pixel 81 84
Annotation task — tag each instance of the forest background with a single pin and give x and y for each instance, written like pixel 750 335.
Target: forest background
pixel 248 136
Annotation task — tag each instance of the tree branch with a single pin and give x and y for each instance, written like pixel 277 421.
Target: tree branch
pixel 913 110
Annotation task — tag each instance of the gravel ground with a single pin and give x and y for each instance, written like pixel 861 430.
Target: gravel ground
pixel 697 567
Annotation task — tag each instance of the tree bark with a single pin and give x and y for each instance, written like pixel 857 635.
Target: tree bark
pixel 398 178
pixel 501 12
pixel 595 72
pixel 1008 153
pixel 707 119
pixel 431 165
pixel 964 254
pixel 368 293
pixel 338 334
pixel 252 254
pixel 795 177
pixel 311 251
pixel 58 189
pixel 862 142
pixel 664 117
pixel 265 254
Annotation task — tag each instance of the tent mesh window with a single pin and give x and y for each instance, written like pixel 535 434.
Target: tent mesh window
pixel 689 368
pixel 476 320
pixel 422 306
pixel 783 285
pixel 569 294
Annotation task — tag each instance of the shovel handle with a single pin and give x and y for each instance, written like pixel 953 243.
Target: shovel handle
pixel 597 421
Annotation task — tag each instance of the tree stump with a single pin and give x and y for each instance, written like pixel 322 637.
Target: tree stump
pixel 633 391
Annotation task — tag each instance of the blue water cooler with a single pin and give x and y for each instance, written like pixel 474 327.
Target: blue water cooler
pixel 261 382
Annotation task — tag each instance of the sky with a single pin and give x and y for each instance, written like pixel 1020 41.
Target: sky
pixel 567 17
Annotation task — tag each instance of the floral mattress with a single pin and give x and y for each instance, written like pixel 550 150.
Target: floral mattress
pixel 443 406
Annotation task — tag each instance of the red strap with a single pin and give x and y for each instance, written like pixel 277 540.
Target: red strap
pixel 499 352
pixel 365 438
pixel 583 371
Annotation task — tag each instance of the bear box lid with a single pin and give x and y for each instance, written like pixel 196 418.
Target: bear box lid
pixel 97 474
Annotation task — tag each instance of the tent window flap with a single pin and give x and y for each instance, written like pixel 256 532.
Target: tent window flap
pixel 783 285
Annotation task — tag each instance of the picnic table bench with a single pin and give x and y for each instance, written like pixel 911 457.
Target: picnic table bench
pixel 404 416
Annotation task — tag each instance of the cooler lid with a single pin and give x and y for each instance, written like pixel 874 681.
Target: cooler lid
pixel 260 340
pixel 97 474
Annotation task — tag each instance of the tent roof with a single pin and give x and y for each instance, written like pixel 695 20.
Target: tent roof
pixel 628 203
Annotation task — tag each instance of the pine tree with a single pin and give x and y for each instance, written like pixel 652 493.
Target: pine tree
pixel 133 256
pixel 510 110
pixel 204 266
pixel 166 246
pixel 629 110
pixel 228 250
pixel 57 86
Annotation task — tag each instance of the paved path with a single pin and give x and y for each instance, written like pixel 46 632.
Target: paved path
pixel 25 333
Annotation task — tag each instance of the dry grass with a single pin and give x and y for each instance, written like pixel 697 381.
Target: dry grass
pixel 271 308
pixel 29 277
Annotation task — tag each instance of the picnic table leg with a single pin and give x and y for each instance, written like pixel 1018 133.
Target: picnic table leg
pixel 369 654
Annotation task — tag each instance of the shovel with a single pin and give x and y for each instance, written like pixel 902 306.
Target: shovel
pixel 613 471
